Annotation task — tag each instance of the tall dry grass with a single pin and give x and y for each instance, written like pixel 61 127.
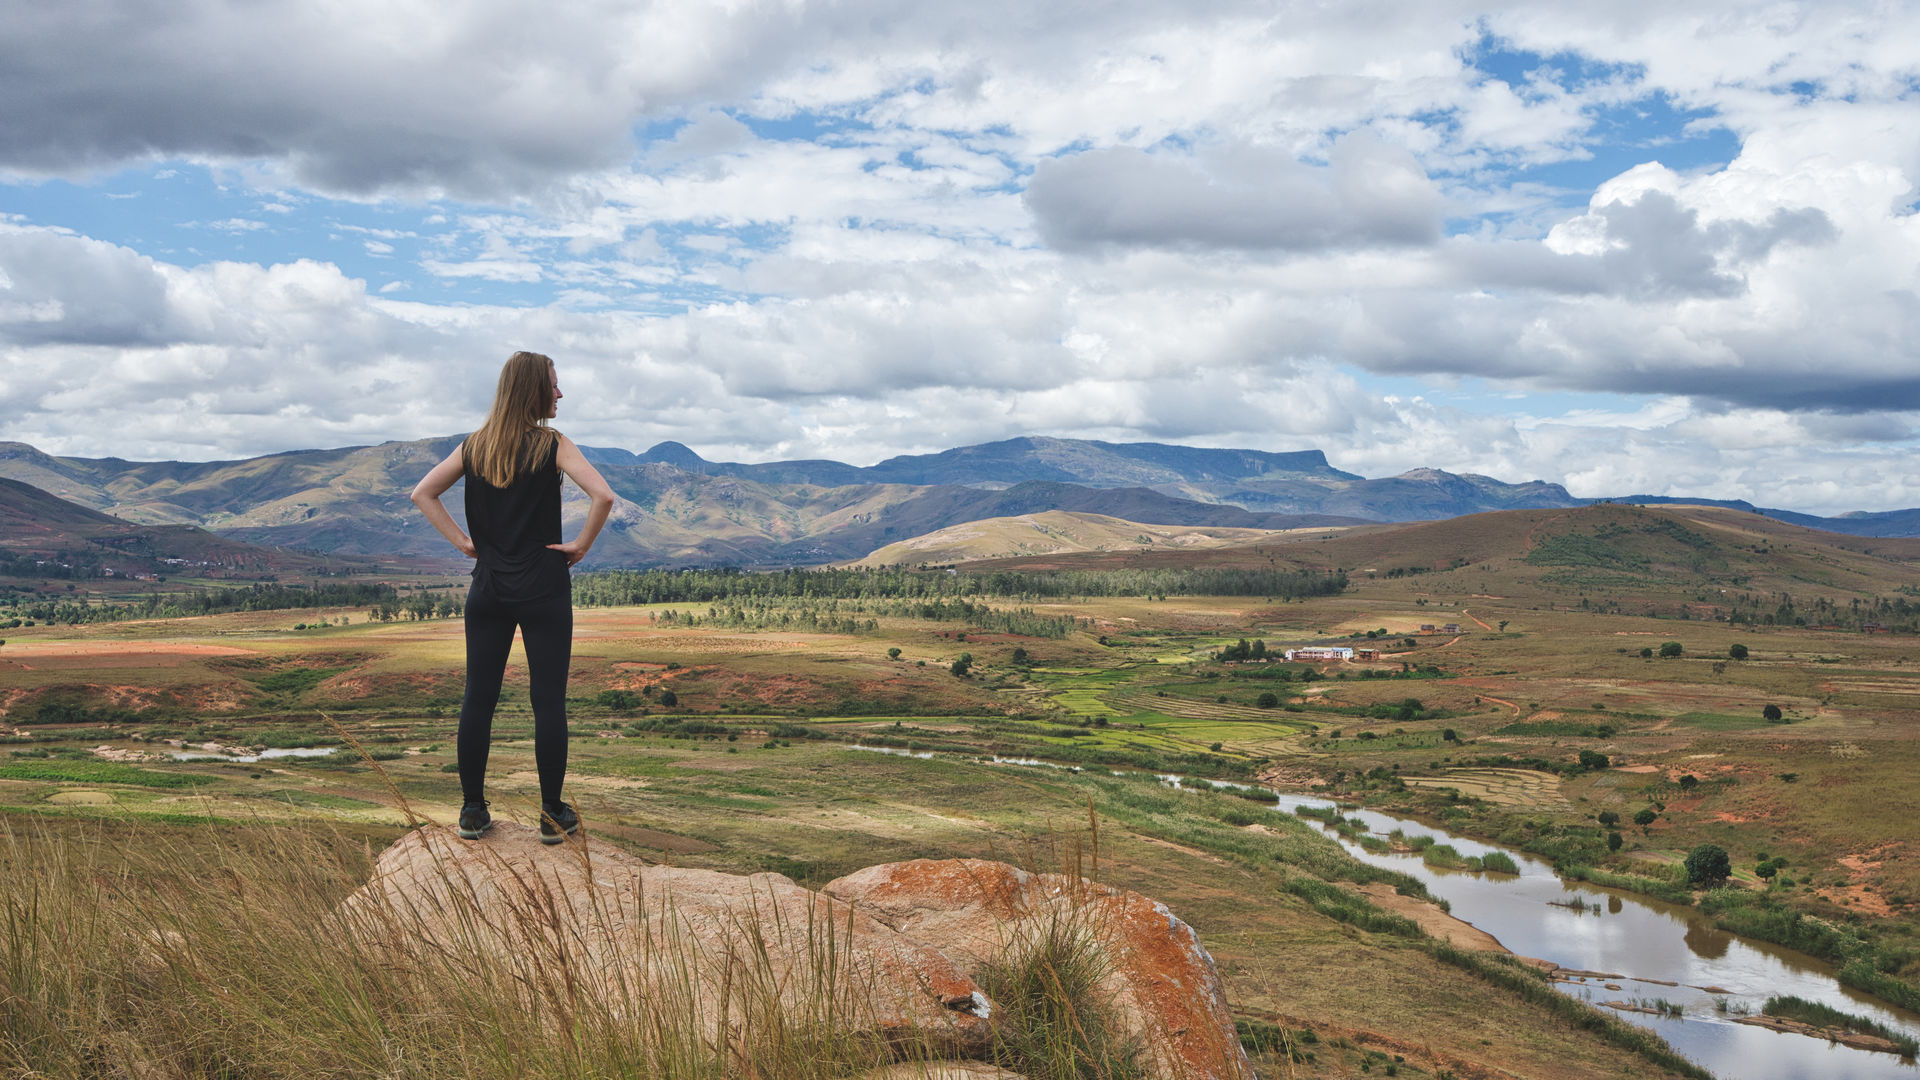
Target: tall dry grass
pixel 154 953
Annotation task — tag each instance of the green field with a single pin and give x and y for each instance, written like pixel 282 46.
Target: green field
pixel 753 766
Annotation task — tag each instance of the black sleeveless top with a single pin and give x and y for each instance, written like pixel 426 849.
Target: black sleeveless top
pixel 512 526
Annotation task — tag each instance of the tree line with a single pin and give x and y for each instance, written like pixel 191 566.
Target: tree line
pixel 845 616
pixel 185 603
pixel 622 587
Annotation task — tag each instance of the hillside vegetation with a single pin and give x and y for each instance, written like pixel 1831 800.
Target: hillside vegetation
pixel 738 721
pixel 1054 532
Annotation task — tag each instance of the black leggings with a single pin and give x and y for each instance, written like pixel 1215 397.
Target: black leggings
pixel 546 633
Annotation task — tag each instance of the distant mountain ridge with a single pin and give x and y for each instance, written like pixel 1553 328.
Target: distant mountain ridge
pixel 677 508
pixel 42 534
pixel 1014 461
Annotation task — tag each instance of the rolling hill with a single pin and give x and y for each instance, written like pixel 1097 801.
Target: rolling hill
pixel 45 536
pixel 1691 560
pixel 1055 532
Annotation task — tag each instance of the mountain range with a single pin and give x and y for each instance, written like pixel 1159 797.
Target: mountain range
pixel 42 535
pixel 677 508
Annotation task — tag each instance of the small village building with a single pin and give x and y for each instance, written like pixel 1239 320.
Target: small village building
pixel 1312 653
pixel 1366 654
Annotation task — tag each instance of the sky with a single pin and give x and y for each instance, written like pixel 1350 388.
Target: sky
pixel 1630 248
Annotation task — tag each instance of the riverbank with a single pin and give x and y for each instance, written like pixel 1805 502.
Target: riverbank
pixel 1857 946
pixel 1694 977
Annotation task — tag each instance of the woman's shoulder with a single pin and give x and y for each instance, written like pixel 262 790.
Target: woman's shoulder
pixel 546 444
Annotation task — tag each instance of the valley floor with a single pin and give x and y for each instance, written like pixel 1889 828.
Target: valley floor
pixel 754 766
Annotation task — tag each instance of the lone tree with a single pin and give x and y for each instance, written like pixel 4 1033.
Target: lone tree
pixel 1614 840
pixel 963 665
pixel 1644 818
pixel 1771 714
pixel 1670 649
pixel 1737 651
pixel 1267 700
pixel 1591 759
pixel 1608 819
pixel 1708 865
pixel 893 653
pixel 1689 782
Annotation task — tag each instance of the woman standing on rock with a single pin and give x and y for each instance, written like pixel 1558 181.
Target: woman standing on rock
pixel 512 466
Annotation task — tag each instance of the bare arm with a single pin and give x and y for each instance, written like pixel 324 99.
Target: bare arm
pixel 426 496
pixel 581 471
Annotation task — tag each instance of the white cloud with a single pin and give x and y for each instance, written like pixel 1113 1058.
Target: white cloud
pixel 1244 198
pixel 878 226
pixel 488 269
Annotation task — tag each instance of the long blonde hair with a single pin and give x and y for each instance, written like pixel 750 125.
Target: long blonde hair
pixel 517 422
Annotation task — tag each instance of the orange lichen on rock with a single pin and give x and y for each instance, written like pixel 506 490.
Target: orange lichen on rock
pixel 1164 986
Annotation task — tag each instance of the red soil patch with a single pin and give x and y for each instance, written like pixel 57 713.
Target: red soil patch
pixel 108 650
pixel 1859 898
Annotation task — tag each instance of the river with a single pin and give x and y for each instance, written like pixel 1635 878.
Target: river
pixel 1649 944
pixel 1658 951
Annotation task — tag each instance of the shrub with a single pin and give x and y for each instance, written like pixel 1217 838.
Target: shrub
pixel 1670 648
pixel 1591 759
pixel 1499 862
pixel 1771 714
pixel 617 700
pixel 1267 700
pixel 1737 651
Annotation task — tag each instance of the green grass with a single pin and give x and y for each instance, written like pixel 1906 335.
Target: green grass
pixel 295 681
pixel 99 772
pixel 1709 721
pixel 1826 1016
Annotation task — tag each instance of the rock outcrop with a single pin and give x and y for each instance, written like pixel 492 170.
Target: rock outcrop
pixel 890 952
pixel 715 951
pixel 1165 989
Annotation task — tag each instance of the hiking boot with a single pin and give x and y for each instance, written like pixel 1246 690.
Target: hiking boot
pixel 557 822
pixel 474 820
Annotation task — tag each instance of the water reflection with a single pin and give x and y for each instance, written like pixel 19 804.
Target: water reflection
pixel 1652 950
pixel 1707 942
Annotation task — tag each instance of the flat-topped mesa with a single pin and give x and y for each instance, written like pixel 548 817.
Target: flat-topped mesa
pixel 890 952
